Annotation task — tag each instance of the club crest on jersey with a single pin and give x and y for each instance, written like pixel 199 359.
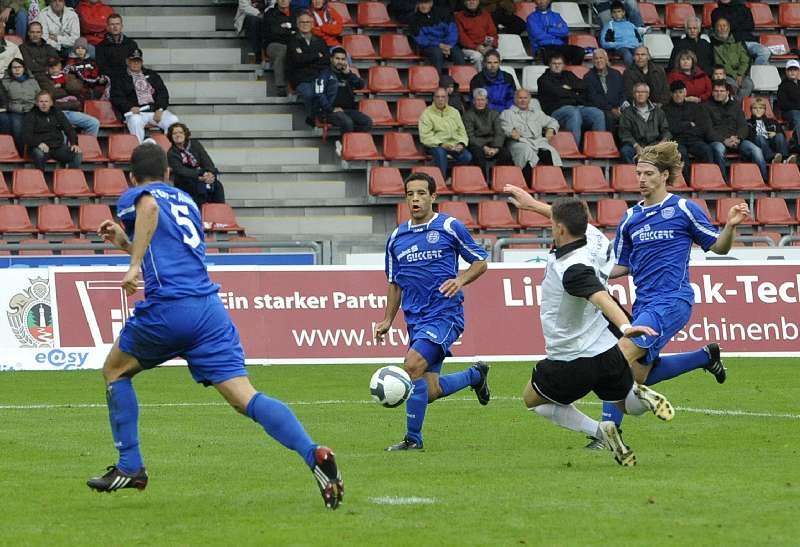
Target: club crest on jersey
pixel 668 212
pixel 432 237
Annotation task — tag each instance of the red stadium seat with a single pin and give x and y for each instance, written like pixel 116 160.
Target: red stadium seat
pixel 8 151
pixel 4 191
pixel 774 236
pixel 600 145
pixel 359 146
pixel 374 14
pixel 161 140
pixel 109 182
pixel 91 215
pixel 54 218
pixel 747 176
pixel 548 179
pixel 386 181
pixel 14 219
pixel 708 8
pixel 76 240
pixel 747 103
pixel 703 205
pixel 650 15
pixel 359 46
pixel 773 211
pixel 385 79
pixel 462 74
pixel 409 111
pixel 508 174
pixel 724 205
pixel 789 15
pixel 423 79
pixel 564 143
pixel 459 210
pixel 344 13
pixel 91 149
pixel 610 211
pixel 4 252
pixel 120 147
pixel 495 215
pixel 578 70
pixel 677 14
pixel 71 183
pixel 15 39
pixel 469 179
pixel 762 15
pixel 784 176
pixel 441 188
pixel 524 9
pixel 582 40
pixel 680 185
pixel 707 177
pixel 104 112
pixel 623 178
pixel 394 46
pixel 401 146
pixel 777 40
pixel 29 183
pixel 219 217
pixel 589 179
pixel 378 111
pixel 244 239
pixel 22 251
pixel 403 213
pixel 531 219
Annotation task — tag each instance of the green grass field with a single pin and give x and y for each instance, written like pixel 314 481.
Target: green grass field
pixel 724 472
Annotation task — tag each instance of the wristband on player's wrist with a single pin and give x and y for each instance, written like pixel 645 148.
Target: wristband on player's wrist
pixel 623 328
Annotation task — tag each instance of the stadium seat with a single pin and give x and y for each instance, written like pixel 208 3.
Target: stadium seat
pixel 395 46
pixel 586 41
pixel 513 74
pixel 564 143
pixel 401 146
pixel 660 45
pixel 589 179
pixel 441 188
pixel 423 79
pixel 548 179
pixel 708 8
pixel 14 219
pixel 704 206
pixel 359 147
pixel 104 112
pixel 54 218
pixel 75 240
pixel 403 213
pixel 784 176
pixel 706 177
pixel 90 215
pixel 508 174
pixel 524 9
pixel 797 209
pixel 462 74
pixel 378 111
pixel 578 70
pixel 343 11
pixel 610 211
pixel 374 14
pixel 109 182
pixel 650 15
pixel 244 239
pixel 762 15
pixel 747 103
pixel 90 148
pixel 459 210
pixel 531 219
pixel 623 178
pixel 409 110
pixel 24 251
pixel 359 46
pixel 773 211
pixel 724 205
pixel 219 217
pixel 120 147
pixel 496 215
pixel 775 237
pixel 747 176
pixel 511 48
pixel 677 14
pixel 600 145
pixel 386 181
pixel 8 151
pixel 385 79
pixel 469 179
pixel 570 12
pixel 776 42
pixel 161 140
pixel 30 183
pixel 680 185
pixel 530 77
pixel 71 183
pixel 789 15
pixel 765 77
pixel 4 191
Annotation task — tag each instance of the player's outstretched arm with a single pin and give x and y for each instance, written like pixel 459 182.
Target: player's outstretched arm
pixel 111 232
pixel 393 297
pixel 618 271
pixel 736 215
pixel 146 222
pixel 603 301
pixel 451 287
pixel 521 199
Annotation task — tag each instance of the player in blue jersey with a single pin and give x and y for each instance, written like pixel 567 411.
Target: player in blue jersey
pixel 422 269
pixel 181 315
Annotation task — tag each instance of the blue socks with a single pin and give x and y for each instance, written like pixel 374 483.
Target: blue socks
pixel 675 365
pixel 457 381
pixel 123 413
pixel 416 405
pixel 281 424
pixel 612 413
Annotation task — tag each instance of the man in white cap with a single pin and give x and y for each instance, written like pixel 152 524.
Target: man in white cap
pixel 789 96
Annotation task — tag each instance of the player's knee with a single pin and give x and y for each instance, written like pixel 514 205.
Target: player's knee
pixel 528 396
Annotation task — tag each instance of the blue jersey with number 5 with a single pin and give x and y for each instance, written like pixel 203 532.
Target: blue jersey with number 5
pixel 173 264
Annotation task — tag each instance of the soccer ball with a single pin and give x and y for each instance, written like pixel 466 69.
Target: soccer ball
pixel 390 386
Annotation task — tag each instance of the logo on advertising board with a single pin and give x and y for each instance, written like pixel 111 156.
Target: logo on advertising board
pixel 30 315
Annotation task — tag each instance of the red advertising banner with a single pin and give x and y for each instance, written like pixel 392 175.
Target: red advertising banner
pixel 327 314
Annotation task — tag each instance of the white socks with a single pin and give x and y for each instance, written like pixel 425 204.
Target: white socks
pixel 632 403
pixel 569 417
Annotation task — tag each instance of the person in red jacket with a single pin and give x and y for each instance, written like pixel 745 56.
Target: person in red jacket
pixel 477 33
pixel 327 22
pixel 93 15
pixel 698 84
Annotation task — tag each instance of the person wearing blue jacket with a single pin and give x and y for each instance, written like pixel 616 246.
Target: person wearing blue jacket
pixel 435 33
pixel 548 33
pixel 499 84
pixel 619 34
pixel 335 100
pixel 605 89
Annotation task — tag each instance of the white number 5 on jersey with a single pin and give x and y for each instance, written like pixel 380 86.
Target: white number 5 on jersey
pixel 181 214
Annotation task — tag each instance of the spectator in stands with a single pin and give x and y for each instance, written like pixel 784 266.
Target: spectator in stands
pixel 477 33
pixel 732 56
pixel 619 34
pixel 49 135
pixel 548 33
pixel 499 84
pixel 336 100
pixel 563 96
pixel 85 69
pixel 68 92
pixel 300 5
pixel 36 51
pixel 23 12
pixel 279 28
pixel 192 169
pixel 503 15
pixel 403 10
pixel 605 89
pixel 789 96
pixel 529 132
pixel 249 18
pixel 112 53
pixel 485 133
pixel 742 26
pixel 695 42
pixel 603 8
pixel 21 88
pixel 141 98
pixel 729 129
pixel 8 50
pixel 718 73
pixel 307 57
pixel 454 97
pixel 327 22
pixel 93 15
pixel 767 134
pixel 436 35
pixel 645 70
pixel 698 84
pixel 689 124
pixel 442 133
pixel 642 123
pixel 60 26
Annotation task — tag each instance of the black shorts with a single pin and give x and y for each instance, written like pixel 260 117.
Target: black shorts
pixel 564 382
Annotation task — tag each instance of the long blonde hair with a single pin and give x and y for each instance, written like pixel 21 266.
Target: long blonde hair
pixel 665 156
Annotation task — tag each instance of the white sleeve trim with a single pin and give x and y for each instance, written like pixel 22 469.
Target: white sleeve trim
pixel 449 229
pixel 685 209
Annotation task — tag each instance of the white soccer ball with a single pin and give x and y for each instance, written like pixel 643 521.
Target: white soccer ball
pixel 390 386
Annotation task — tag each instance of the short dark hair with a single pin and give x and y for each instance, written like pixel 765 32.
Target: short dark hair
pixel 42 93
pixel 338 49
pixel 616 4
pixel 555 56
pixel 719 83
pixel 425 177
pixel 148 162
pixel 571 213
pixel 492 53
pixel 718 67
pixel 114 15
pixel 35 23
pixel 175 126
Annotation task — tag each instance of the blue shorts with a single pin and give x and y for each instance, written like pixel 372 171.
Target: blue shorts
pixel 198 329
pixel 432 340
pixel 666 317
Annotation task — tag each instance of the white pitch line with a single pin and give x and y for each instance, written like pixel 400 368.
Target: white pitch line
pixel 395 500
